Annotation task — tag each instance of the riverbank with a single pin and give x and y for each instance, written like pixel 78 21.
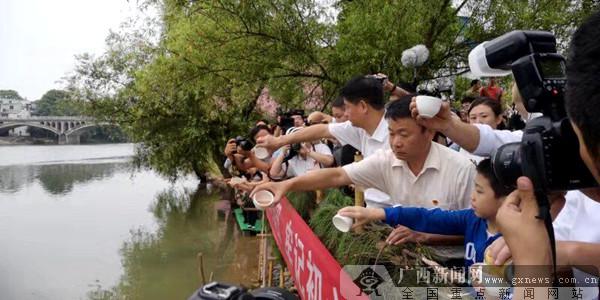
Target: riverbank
pixel 25 140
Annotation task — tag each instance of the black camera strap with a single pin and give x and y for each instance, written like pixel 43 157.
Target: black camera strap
pixel 544 214
pixel 543 204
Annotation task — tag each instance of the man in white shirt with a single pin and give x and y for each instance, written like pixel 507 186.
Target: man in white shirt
pixel 415 171
pixel 365 130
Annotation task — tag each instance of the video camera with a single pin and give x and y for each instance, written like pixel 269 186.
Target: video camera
pixel 222 291
pixel 548 153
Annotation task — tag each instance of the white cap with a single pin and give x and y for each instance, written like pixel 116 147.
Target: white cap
pixel 479 66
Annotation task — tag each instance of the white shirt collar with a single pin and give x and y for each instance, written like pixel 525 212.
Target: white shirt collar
pixel 381 132
pixel 431 162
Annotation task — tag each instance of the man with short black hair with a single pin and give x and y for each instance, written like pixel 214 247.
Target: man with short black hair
pixel 365 129
pixel 583 91
pixel 414 172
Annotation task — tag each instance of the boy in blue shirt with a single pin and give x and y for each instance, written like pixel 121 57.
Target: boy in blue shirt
pixel 477 224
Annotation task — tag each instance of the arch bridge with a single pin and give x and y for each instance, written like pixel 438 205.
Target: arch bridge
pixel 68 129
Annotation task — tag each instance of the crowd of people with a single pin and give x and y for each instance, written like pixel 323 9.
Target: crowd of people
pixel 432 178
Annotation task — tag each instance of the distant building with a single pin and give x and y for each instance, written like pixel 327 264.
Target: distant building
pixel 15 108
pixel 11 106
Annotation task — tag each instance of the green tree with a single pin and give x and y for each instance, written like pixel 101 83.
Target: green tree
pixel 489 18
pixel 185 82
pixel 58 103
pixel 201 81
pixel 10 94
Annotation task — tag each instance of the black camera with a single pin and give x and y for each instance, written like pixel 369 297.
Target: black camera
pixel 244 143
pixel 223 291
pixel 295 147
pixel 548 153
pixel 294 150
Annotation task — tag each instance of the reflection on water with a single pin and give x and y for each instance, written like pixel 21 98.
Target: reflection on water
pixel 94 228
pixel 163 265
pixel 56 179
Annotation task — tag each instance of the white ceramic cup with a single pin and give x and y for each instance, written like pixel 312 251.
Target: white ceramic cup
pixel 342 223
pixel 261 152
pixel 263 199
pixel 428 106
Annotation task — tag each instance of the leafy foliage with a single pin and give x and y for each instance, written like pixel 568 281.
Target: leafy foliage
pixel 360 248
pixel 185 82
pixel 58 103
pixel 10 94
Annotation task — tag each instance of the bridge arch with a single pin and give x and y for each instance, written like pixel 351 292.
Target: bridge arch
pixel 13 125
pixel 80 128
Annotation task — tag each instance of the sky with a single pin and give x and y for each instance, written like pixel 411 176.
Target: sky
pixel 40 38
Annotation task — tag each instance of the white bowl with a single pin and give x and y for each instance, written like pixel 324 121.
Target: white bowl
pixel 263 199
pixel 261 152
pixel 428 106
pixel 342 223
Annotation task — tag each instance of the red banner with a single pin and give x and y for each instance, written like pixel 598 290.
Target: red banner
pixel 316 274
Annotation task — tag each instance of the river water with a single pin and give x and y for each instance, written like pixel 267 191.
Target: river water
pixel 78 222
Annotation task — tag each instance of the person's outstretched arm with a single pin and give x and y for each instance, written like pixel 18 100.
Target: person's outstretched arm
pixel 434 221
pixel 306 134
pixel 315 180
pixel 479 139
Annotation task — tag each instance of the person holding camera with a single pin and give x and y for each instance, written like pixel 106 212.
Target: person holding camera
pixel 415 172
pixel 583 108
pixel 524 233
pixel 396 91
pixel 298 159
pixel 235 159
pixel 572 226
pixel 240 153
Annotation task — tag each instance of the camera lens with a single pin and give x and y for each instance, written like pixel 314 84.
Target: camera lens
pixel 506 163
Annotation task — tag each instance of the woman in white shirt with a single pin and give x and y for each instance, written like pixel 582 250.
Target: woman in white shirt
pixel 484 110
